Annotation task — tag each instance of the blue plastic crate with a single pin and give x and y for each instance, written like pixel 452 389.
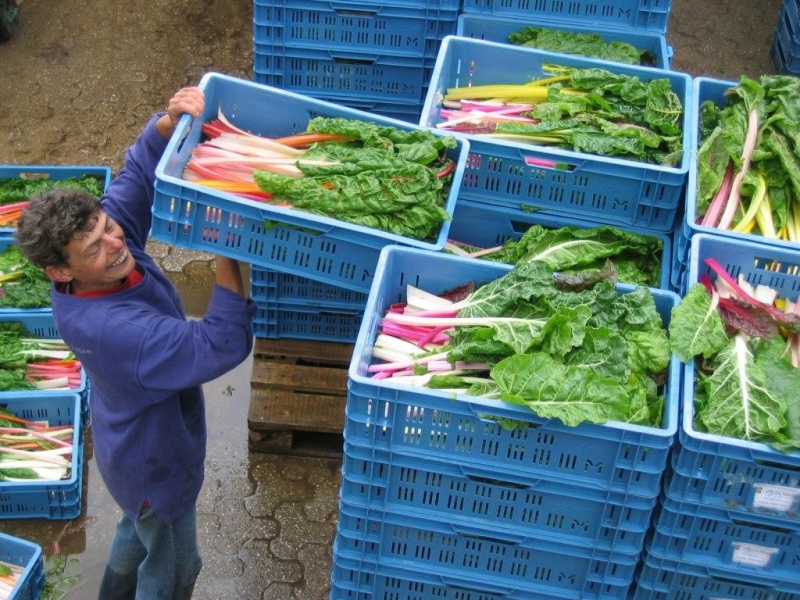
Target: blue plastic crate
pixel 57 500
pixel 558 181
pixel 407 112
pixel 341 26
pixel 192 216
pixel 740 542
pixel 368 580
pixel 300 321
pixel 41 324
pixel 51 172
pixel 487 226
pixel 339 76
pixel 505 505
pixel 267 285
pixel 28 555
pixel 706 89
pixel 432 425
pixel 482 556
pixel 664 579
pixel 497 29
pixel 646 15
pixel 722 471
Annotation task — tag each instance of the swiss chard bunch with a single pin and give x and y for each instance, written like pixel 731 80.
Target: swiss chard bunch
pixel 746 384
pixel 22 284
pixel 566 346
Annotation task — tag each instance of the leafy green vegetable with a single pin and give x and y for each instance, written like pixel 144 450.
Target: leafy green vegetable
pixel 696 328
pixel 22 284
pixel 386 179
pixel 636 257
pixel 19 189
pixel 745 387
pixel 581 44
pixel 592 355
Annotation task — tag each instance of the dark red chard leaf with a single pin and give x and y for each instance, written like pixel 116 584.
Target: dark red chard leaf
pixel 747 318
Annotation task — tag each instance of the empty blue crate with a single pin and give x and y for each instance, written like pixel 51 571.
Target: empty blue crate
pixel 559 181
pixel 433 425
pixel 743 543
pixel 484 557
pixel 28 556
pixel 721 471
pixel 267 285
pixel 339 76
pixel 497 29
pixel 54 173
pixel 666 579
pixel 56 500
pixel 343 26
pixel 713 90
pixel 196 217
pixel 300 321
pixel 640 15
pixel 488 226
pixel 503 504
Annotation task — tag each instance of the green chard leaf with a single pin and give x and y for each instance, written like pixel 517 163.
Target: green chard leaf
pixel 696 328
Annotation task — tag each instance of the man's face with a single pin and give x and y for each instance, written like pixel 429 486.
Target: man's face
pixel 98 258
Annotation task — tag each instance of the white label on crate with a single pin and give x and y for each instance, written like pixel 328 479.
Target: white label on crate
pixel 752 555
pixel 775 497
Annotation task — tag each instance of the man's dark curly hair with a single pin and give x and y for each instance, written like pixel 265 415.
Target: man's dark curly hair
pixel 49 222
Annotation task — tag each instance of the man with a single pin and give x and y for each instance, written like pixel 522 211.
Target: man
pixel 146 362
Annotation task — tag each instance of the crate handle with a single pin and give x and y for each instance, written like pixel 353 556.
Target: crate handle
pixel 350 12
pixel 354 61
pixel 484 588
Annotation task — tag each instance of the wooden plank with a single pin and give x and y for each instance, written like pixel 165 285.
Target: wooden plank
pixel 303 351
pixel 300 378
pixel 297 443
pixel 297 398
pixel 288 410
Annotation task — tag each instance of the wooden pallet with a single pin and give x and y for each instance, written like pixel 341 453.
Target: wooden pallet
pixel 297 399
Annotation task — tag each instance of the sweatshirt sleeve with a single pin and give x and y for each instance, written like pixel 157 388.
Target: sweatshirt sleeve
pixel 178 354
pixel 129 197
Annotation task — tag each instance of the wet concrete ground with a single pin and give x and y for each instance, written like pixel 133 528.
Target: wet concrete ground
pixel 266 522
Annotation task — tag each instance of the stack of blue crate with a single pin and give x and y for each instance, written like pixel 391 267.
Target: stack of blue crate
pixel 785 50
pixel 728 522
pixel 442 498
pixel 373 57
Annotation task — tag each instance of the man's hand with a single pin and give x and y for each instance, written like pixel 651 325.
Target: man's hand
pixel 188 100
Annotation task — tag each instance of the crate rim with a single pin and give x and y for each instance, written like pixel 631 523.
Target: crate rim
pixel 669 418
pixel 433 97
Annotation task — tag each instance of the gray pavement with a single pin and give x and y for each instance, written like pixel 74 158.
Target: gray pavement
pixel 267 522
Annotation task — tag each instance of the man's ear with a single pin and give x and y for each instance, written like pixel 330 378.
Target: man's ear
pixel 60 273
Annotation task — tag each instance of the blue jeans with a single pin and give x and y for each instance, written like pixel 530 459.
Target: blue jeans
pixel 151 560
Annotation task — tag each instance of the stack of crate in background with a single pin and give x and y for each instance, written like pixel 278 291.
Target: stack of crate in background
pixel 373 57
pixel 785 51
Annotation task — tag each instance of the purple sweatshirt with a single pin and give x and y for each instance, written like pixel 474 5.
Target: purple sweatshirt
pixel 146 362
